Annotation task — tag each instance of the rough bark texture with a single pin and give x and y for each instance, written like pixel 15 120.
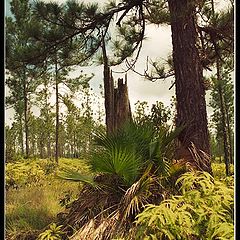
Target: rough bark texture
pixel 108 92
pixel 190 92
pixel 121 104
pixel 117 105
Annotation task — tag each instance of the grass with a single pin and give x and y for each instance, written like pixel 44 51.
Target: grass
pixel 33 206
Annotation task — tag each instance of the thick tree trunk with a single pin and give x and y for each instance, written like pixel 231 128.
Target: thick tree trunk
pixel 190 91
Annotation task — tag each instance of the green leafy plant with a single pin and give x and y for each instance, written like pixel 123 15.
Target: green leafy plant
pixel 204 211
pixel 52 233
pixel 129 168
pixel 127 153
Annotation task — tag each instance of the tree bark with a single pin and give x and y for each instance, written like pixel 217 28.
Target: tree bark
pixel 224 120
pixel 57 116
pixel 26 117
pixel 108 92
pixel 21 135
pixel 190 91
pixel 117 105
pixel 229 138
pixel 121 104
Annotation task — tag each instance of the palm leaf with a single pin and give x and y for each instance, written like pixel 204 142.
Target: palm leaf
pixel 71 175
pixel 118 161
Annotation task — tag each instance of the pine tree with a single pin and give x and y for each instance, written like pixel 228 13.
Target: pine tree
pixel 86 25
pixel 22 78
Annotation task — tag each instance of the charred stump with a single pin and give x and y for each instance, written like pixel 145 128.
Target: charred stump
pixel 117 105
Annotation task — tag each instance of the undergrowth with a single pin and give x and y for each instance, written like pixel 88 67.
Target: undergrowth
pixel 204 210
pixel 34 196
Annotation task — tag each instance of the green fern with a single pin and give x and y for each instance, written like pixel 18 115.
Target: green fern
pixel 53 233
pixel 205 209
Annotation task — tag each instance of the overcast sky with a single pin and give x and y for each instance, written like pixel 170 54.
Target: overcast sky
pixel 157 45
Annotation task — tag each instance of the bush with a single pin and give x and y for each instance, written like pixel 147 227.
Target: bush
pixel 219 171
pixel 203 211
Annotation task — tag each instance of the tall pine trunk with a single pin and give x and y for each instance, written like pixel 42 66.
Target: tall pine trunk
pixel 21 134
pixel 190 91
pixel 229 137
pixel 57 116
pixel 26 117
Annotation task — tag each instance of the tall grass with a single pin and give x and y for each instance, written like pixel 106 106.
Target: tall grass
pixel 34 206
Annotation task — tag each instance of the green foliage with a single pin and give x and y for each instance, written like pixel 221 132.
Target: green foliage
pixel 30 172
pixel 204 209
pixel 23 173
pixel 128 152
pixel 53 233
pixel 71 175
pixel 218 170
pixel 34 205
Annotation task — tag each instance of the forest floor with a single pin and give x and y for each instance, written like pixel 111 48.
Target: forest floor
pixel 34 196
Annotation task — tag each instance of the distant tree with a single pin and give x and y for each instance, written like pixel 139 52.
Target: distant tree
pixel 22 78
pixel 46 117
pixel 141 111
pixel 10 143
pixel 222 92
pixel 222 103
pixel 158 115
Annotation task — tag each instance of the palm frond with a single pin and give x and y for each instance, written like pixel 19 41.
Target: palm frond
pixel 71 175
pixel 137 195
pixel 118 161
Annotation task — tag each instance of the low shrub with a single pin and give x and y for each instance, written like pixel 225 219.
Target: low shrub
pixel 203 211
pixel 34 194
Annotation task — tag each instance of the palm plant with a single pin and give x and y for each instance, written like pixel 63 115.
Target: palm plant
pixel 127 167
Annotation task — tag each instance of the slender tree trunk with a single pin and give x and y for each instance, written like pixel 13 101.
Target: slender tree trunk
pixel 190 91
pixel 229 137
pixel 48 147
pixel 225 119
pixel 57 116
pixel 41 150
pixel 21 136
pixel 223 115
pixel 26 117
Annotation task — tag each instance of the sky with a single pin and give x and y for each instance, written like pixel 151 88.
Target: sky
pixel 158 44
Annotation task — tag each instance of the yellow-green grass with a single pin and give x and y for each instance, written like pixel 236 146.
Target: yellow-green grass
pixel 219 170
pixel 33 206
